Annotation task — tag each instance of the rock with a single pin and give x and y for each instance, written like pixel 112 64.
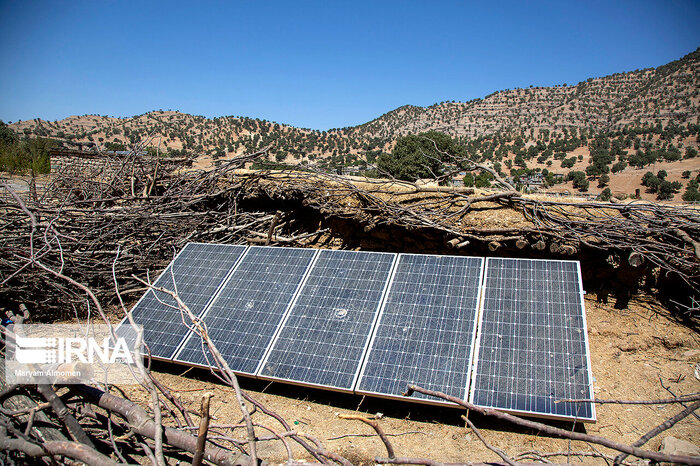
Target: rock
pixel 691 353
pixel 673 446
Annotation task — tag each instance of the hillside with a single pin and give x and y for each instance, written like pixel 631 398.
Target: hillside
pixel 664 94
pixel 660 107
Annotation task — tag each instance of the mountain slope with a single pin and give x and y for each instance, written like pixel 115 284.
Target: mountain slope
pixel 670 93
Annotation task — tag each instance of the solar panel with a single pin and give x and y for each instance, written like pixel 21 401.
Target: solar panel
pixel 532 343
pixel 326 332
pixel 248 310
pixel 426 328
pixel 198 270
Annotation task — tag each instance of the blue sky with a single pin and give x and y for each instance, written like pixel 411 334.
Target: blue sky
pixel 316 64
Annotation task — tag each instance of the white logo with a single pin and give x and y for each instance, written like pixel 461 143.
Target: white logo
pixel 68 353
pixel 67 350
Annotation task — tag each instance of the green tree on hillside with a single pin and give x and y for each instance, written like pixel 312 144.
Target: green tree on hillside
pixel 667 189
pixel 579 180
pixel 651 181
pixel 468 180
pixel 7 136
pixel 691 193
pixel 21 156
pixel 37 153
pixel 603 180
pixel 420 156
pixel 619 166
pixel 568 163
pixel 483 180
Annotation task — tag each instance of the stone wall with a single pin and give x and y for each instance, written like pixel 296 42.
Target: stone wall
pixel 84 165
pixel 93 165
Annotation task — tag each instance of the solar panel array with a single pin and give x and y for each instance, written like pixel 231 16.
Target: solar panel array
pixel 508 334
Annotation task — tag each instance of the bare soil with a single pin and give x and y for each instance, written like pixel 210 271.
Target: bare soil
pixel 628 180
pixel 635 353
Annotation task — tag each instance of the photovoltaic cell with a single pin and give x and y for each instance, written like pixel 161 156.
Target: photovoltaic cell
pixel 248 310
pixel 426 327
pixel 532 343
pixel 325 334
pixel 198 271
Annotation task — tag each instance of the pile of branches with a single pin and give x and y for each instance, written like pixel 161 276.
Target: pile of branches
pixel 662 235
pixel 145 213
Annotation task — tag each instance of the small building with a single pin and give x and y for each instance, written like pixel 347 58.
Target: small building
pixel 458 179
pixel 532 181
pixel 350 171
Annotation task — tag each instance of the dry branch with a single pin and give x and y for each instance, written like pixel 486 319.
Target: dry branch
pixel 555 431
pixel 375 425
pixel 203 429
pixel 139 420
pixel 74 450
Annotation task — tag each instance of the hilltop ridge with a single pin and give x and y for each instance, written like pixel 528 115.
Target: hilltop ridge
pixel 644 101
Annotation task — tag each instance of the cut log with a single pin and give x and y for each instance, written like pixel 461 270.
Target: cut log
pixel 494 245
pixel 568 250
pixel 540 245
pixel 635 259
pixel 521 243
pixel 453 242
pixel 271 231
pixel 143 424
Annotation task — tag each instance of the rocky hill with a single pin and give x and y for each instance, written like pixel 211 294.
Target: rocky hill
pixel 668 93
pixel 661 106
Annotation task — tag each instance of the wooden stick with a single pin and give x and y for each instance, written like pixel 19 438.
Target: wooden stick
pixel 376 427
pixel 203 428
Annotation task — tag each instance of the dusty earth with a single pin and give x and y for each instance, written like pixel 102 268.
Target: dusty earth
pixel 640 353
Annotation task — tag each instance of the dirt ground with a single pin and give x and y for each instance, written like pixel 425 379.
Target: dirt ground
pixel 640 353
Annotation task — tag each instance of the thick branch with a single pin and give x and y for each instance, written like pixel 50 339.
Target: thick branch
pixel 75 450
pixel 142 424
